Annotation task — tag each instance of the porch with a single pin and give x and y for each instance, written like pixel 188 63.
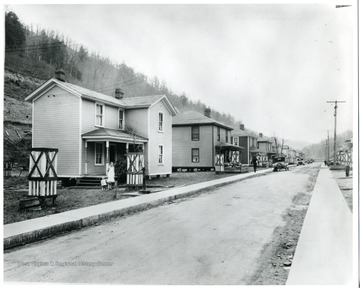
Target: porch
pixel 103 146
pixel 227 158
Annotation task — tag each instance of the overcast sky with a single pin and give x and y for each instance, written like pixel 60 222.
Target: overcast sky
pixel 271 66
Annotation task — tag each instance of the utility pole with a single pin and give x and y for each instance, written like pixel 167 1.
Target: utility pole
pixel 335 107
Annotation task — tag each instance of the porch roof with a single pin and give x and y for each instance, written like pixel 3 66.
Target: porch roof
pixel 113 134
pixel 225 146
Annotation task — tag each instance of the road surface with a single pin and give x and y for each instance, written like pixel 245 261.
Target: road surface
pixel 212 238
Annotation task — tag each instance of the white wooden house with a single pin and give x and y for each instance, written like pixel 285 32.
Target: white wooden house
pixel 91 129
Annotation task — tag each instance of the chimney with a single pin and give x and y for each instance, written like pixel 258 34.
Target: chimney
pixel 118 93
pixel 207 112
pixel 260 135
pixel 60 74
pixel 242 127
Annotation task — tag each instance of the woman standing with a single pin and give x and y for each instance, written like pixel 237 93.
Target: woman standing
pixel 111 176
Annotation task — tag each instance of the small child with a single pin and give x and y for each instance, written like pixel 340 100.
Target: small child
pixel 103 183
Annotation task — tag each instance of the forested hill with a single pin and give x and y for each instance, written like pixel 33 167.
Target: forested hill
pixel 33 54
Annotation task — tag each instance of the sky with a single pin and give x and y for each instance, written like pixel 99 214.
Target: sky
pixel 272 66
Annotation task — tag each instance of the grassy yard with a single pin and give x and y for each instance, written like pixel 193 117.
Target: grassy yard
pixel 15 188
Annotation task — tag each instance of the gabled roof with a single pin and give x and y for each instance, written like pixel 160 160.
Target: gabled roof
pixel 226 146
pixel 127 103
pixel 195 118
pixel 113 133
pixel 265 139
pixel 246 132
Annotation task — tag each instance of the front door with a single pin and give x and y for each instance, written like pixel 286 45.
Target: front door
pixel 112 153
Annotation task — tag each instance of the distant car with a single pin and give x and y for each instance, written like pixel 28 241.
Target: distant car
pixel 300 162
pixel 279 163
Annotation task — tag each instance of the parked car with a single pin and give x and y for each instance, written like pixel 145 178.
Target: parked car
pixel 300 161
pixel 279 163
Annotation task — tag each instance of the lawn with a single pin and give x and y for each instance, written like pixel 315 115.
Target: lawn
pixel 15 188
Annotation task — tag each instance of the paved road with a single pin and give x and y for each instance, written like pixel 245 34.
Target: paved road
pixel 212 238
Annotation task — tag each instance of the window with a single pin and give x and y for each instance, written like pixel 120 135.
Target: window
pixel 99 155
pixel 161 152
pixel 121 119
pixel 218 133
pixel 195 155
pixel 226 136
pixel 236 140
pixel 161 119
pixel 195 133
pixel 99 115
pixel 232 140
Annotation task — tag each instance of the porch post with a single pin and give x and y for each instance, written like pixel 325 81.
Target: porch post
pixel 127 148
pixel 86 162
pixel 107 155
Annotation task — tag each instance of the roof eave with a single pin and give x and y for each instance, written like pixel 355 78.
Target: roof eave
pixel 105 137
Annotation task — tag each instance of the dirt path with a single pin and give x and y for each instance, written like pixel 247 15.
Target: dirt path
pixel 276 257
pixel 217 237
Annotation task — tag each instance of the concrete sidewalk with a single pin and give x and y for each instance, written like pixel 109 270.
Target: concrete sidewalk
pixel 24 232
pixel 324 252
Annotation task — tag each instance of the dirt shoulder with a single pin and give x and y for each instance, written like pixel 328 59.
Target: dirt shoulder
pixel 15 188
pixel 275 261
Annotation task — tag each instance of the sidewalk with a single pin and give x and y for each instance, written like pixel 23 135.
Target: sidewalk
pixel 40 228
pixel 324 252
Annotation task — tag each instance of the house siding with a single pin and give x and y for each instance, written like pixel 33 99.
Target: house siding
pixel 56 125
pixel 244 156
pixel 182 145
pixel 111 117
pixel 88 119
pixel 157 138
pixel 136 120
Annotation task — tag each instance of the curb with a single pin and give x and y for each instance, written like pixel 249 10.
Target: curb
pixel 74 222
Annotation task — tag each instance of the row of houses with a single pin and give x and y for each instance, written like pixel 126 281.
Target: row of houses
pixel 91 129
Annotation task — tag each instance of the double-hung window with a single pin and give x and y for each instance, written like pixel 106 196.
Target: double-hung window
pixel 218 133
pixel 195 155
pixel 226 136
pixel 235 140
pixel 99 115
pixel 99 154
pixel 161 120
pixel 161 154
pixel 121 119
pixel 195 133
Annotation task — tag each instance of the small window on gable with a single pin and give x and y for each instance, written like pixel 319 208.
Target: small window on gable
pixel 161 120
pixel 121 119
pixel 195 133
pixel 99 115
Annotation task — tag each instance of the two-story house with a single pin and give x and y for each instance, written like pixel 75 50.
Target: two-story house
pixel 267 148
pixel 197 138
pixel 248 140
pixel 91 129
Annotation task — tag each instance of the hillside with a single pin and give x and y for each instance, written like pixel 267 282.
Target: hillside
pixel 31 57
pixel 317 151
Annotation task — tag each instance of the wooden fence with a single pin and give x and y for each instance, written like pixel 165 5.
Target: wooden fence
pixel 42 172
pixel 135 165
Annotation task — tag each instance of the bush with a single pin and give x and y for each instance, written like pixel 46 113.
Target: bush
pixel 120 169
